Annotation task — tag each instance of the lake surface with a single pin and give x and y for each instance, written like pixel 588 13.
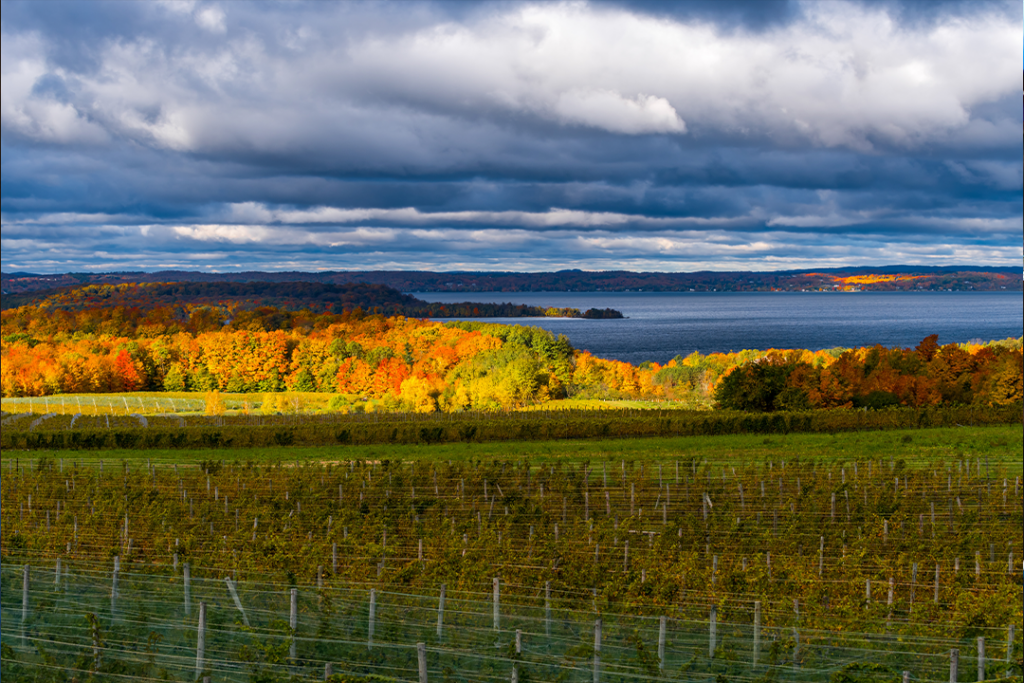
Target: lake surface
pixel 662 325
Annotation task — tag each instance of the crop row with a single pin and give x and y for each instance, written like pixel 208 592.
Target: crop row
pixel 108 624
pixel 936 547
pixel 60 432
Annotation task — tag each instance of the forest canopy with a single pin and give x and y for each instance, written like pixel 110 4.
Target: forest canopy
pixel 373 361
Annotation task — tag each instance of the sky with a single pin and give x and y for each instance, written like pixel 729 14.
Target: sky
pixel 602 135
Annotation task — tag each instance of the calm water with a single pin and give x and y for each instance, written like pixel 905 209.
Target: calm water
pixel 662 325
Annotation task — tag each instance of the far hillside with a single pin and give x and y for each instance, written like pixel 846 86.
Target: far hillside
pixel 227 300
pixel 960 278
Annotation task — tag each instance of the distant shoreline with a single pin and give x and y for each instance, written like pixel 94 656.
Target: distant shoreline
pixel 882 278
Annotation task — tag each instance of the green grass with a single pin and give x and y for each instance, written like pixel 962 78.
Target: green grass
pixel 1001 444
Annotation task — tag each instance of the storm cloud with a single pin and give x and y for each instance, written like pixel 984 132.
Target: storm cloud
pixel 509 136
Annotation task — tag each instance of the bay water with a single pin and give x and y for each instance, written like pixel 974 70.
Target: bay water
pixel 661 325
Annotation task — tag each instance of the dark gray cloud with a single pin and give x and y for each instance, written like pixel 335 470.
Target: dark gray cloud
pixel 509 135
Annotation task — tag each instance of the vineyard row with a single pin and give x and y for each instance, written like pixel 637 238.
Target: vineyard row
pixel 94 622
pixel 78 432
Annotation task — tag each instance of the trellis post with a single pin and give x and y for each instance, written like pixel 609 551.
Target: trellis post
pixel 440 614
pixel 24 604
pixel 293 620
pixel 201 640
pixel 187 573
pixel 421 661
pixel 497 604
pixel 113 586
pixel 519 651
pixel 757 631
pixel 713 632
pixel 662 627
pixel 547 609
pixel 1009 644
pixel 373 617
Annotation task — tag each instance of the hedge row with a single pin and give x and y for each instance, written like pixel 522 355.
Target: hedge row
pixel 525 428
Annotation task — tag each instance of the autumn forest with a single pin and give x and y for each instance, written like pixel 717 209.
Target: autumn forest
pixel 84 343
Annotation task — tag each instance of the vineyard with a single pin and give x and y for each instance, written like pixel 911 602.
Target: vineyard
pixel 674 568
pixel 81 431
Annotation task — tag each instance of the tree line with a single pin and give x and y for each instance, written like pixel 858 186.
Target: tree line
pixel 196 306
pixel 398 363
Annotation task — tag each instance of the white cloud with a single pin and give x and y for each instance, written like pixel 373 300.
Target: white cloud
pixel 180 7
pixel 844 75
pixel 38 116
pixel 211 19
pixel 237 234
pixel 612 112
pixel 553 218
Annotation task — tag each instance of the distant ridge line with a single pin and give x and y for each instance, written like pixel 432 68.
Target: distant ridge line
pixel 957 277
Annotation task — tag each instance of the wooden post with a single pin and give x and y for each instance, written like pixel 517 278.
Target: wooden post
pixel 954 666
pixel 56 577
pixel 113 586
pixel 981 658
pixel 421 661
pixel 519 652
pixel 936 584
pixel 293 620
pixel 757 631
pixel 334 559
pixel 24 604
pixel 1009 645
pixel 440 614
pixel 328 671
pixel 187 572
pixel 597 651
pixel 662 627
pixel 796 633
pixel 713 632
pixel 234 597
pixel 373 617
pixel 913 583
pixel 497 604
pixel 547 609
pixel 201 641
pixel 906 677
